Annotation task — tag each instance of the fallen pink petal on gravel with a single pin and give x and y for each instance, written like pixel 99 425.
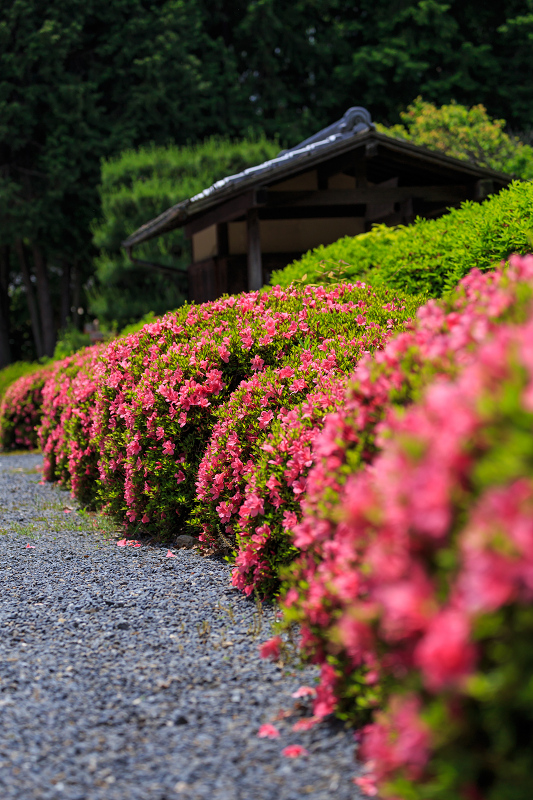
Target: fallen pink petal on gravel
pixel 270 649
pixel 122 543
pixel 294 751
pixel 30 546
pixel 268 731
pixel 170 554
pixel 305 724
pixel 304 691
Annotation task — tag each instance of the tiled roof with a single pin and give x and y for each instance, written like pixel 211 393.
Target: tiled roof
pixel 355 120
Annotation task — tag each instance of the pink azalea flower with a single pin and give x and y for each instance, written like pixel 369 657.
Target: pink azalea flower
pixel 265 418
pixel 305 724
pixel 304 691
pixel 445 654
pixel 289 520
pixel 270 649
pixel 223 353
pixel 268 731
pixel 367 784
pixel 294 751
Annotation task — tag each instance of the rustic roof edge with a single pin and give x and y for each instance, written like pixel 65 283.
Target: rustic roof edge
pixel 305 155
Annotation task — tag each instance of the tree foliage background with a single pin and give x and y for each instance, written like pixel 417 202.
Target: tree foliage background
pixel 85 80
pixel 137 186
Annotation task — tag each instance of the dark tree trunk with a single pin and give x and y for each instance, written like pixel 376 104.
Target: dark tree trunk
pixel 5 348
pixel 76 293
pixel 45 302
pixel 65 295
pixel 30 297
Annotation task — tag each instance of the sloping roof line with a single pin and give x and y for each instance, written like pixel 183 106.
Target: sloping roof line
pixel 355 125
pixel 355 120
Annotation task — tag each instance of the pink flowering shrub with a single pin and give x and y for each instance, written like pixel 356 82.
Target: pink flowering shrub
pixel 70 454
pixel 416 572
pixel 262 506
pixel 236 503
pixel 274 489
pixel 159 389
pixel 20 411
pixel 243 422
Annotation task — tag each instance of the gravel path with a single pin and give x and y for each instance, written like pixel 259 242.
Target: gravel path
pixel 125 675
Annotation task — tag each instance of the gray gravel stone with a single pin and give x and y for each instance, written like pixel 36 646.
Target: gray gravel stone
pixel 126 675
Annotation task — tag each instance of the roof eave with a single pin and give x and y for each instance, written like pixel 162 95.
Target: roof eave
pixel 179 214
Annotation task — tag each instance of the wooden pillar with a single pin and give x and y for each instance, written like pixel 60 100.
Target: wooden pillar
pixel 255 268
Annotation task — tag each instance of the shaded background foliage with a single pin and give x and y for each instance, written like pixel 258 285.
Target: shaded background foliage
pixel 86 81
pixel 137 186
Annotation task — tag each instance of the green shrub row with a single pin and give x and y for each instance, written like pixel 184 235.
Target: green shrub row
pixel 13 372
pixel 430 255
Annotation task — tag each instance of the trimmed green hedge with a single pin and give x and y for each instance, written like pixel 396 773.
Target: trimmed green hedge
pixel 430 255
pixel 13 372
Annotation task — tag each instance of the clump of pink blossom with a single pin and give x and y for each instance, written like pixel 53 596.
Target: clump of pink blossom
pixel 21 411
pixel 70 453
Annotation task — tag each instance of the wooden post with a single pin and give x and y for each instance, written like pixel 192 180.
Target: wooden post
pixel 255 269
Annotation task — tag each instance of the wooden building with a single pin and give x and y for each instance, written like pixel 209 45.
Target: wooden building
pixel 339 182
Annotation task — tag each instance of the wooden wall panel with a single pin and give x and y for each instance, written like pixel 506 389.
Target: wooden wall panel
pixel 294 235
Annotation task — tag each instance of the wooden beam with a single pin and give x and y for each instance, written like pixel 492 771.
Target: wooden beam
pixel 224 212
pixel 255 267
pixel 372 194
pixel 312 212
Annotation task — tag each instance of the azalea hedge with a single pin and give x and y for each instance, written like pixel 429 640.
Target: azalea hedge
pixel 21 411
pixel 65 433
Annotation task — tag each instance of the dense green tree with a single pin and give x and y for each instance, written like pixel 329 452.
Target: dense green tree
pixel 303 63
pixel 467 50
pixel 466 133
pixel 79 80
